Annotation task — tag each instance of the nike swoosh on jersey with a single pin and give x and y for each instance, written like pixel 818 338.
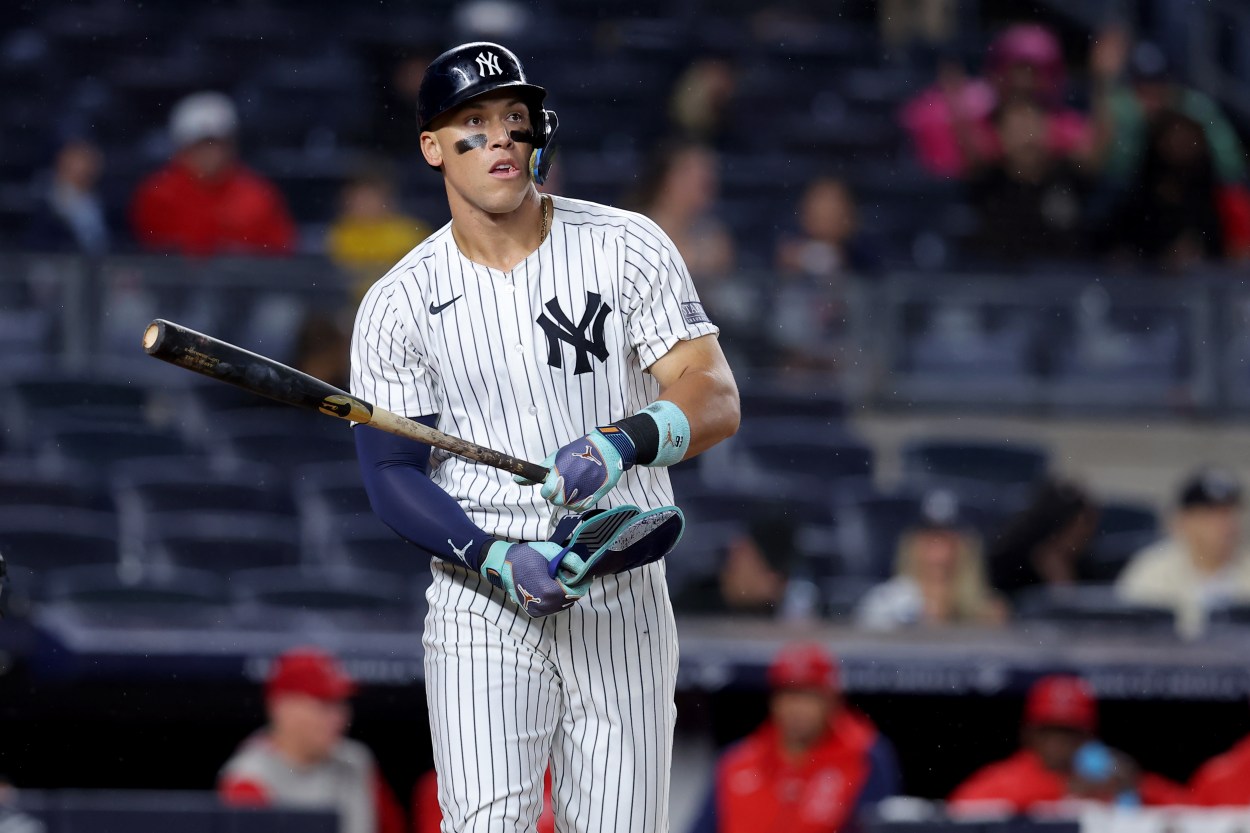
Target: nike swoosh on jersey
pixel 435 309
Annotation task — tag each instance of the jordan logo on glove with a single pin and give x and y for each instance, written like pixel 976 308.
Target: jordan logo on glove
pixel 589 454
pixel 527 598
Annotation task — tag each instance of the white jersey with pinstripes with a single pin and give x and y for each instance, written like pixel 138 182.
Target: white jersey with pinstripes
pixel 524 361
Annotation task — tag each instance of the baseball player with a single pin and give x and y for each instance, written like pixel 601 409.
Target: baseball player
pixel 555 329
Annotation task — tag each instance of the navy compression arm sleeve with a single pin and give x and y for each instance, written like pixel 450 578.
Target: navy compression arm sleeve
pixel 404 497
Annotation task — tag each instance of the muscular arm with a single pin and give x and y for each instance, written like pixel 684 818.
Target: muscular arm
pixel 695 377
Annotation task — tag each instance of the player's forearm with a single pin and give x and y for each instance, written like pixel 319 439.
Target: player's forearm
pixel 709 399
pixel 411 504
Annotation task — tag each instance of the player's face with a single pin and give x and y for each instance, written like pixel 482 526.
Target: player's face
pixel 802 715
pixel 313 724
pixel 1055 745
pixel 482 163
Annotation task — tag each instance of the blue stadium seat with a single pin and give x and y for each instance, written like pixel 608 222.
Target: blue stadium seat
pixel 1091 604
pixel 43 538
pixel 221 543
pixel 103 596
pixel 349 598
pixel 22 482
pixel 1124 529
pixel 363 542
pixel 996 464
pixel 288 441
pixel 869 526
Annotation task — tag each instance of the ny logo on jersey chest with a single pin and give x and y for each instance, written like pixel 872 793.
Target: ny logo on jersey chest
pixel 585 337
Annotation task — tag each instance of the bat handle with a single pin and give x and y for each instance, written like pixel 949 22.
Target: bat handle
pixel 532 471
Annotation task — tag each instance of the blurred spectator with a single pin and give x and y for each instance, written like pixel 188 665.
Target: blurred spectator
pixel 70 216
pixel 752 575
pixel 1176 213
pixel 369 236
pixel 428 818
pixel 1028 198
pixel 950 123
pixel 828 242
pixel 7 791
pixel 1224 781
pixel 1046 543
pixel 904 22
pixel 303 759
pixel 1201 564
pixel 811 767
pixel 1060 758
pixel 699 105
pixel 204 201
pixel 1128 106
pixel 395 111
pixel 322 347
pixel 938 576
pixel 679 191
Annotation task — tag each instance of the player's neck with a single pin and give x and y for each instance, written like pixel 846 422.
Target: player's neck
pixel 498 241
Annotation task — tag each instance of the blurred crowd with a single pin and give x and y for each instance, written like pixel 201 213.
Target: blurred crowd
pixel 816 764
pixel 1034 565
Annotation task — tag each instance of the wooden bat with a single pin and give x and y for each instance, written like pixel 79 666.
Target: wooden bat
pixel 226 362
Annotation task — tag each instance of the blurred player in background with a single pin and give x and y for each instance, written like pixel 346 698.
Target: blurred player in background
pixel 1060 758
pixel 302 759
pixel 543 327
pixel 811 767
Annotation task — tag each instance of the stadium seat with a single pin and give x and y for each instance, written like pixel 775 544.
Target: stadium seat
pixel 22 482
pixel 1124 529
pixel 804 446
pixel 221 543
pixel 43 538
pixel 996 464
pixel 350 598
pixel 98 449
pixel 869 526
pixel 363 542
pixel 168 597
pixel 287 438
pixel 1092 604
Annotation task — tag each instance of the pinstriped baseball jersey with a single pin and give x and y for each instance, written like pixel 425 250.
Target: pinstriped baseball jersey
pixel 525 361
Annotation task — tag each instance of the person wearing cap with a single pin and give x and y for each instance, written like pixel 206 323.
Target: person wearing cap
pixel 1223 781
pixel 811 767
pixel 1201 565
pixel 938 579
pixel 1060 758
pixel 204 201
pixel 302 758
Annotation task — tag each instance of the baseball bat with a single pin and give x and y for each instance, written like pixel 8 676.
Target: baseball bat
pixel 226 362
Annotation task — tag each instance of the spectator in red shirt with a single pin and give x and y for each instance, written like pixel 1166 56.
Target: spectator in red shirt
pixel 1060 759
pixel 1224 781
pixel 811 767
pixel 204 201
pixel 302 759
pixel 428 818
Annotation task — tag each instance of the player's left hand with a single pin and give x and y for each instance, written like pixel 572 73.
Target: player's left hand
pixel 586 469
pixel 527 572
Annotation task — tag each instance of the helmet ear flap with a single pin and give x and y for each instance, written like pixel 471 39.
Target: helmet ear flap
pixel 544 152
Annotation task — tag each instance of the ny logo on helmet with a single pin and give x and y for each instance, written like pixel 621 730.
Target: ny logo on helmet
pixel 488 64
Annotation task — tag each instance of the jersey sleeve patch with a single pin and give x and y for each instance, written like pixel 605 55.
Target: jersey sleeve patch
pixel 694 313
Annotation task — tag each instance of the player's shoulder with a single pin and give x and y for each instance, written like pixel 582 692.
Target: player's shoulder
pixel 416 266
pixel 585 213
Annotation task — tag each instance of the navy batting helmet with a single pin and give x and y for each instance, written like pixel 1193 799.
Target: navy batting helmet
pixel 475 69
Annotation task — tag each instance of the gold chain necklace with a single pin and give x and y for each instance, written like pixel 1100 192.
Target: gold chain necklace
pixel 545 227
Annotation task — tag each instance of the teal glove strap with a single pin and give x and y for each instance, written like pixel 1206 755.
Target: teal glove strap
pixel 674 431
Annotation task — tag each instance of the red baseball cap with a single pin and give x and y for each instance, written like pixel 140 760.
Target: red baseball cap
pixel 309 671
pixel 803 665
pixel 1061 700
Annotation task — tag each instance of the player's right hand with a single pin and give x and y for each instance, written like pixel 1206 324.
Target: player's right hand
pixel 527 573
pixel 583 471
